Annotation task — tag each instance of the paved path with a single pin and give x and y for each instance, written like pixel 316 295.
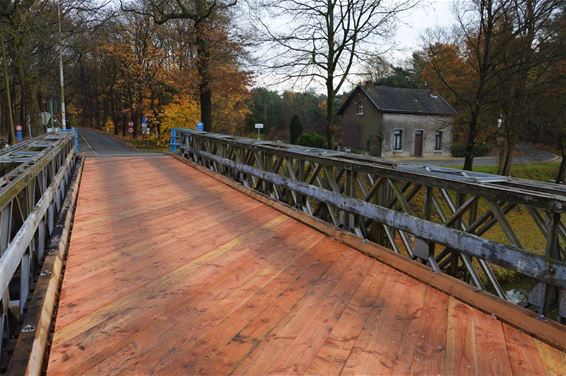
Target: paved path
pixel 172 273
pixel 525 154
pixel 96 143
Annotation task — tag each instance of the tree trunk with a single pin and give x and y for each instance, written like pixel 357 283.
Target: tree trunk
pixel 562 169
pixel 330 117
pixel 505 156
pixel 471 140
pixel 203 68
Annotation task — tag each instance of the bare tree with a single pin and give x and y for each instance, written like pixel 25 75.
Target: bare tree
pixel 521 66
pixel 478 25
pixel 320 41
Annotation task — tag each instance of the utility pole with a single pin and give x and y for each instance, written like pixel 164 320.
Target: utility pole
pixel 62 78
pixel 8 93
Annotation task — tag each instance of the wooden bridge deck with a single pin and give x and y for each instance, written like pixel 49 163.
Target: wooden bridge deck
pixel 172 272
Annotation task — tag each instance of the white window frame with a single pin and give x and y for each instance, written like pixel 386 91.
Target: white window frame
pixel 438 145
pixel 401 132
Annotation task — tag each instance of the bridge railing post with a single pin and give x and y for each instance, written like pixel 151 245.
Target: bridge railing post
pixel 174 139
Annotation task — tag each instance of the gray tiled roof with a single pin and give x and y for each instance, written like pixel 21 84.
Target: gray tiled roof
pixel 407 101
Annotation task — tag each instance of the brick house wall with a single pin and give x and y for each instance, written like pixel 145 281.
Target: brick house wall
pixel 363 133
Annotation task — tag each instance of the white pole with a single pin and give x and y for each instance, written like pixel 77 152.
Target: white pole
pixel 61 77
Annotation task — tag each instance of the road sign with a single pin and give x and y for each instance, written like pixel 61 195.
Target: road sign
pixel 45 117
pixel 258 126
pixel 144 121
pixel 19 128
pixel 200 126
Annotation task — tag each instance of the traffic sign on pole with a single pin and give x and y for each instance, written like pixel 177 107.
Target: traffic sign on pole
pixel 19 133
pixel 258 126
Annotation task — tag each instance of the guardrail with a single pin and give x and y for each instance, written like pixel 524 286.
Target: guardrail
pixel 35 176
pixel 467 224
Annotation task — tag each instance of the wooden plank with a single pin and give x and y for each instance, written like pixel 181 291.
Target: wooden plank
pixel 360 359
pixel 431 345
pixel 548 331
pixel 303 276
pixel 493 358
pixel 203 318
pixel 523 354
pixel 116 313
pixel 553 359
pixel 298 318
pixel 461 351
pixel 310 339
pixel 337 347
pixel 226 284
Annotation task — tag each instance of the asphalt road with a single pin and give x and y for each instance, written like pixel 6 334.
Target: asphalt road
pixel 96 143
pixel 525 154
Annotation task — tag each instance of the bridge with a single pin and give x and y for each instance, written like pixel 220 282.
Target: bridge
pixel 233 255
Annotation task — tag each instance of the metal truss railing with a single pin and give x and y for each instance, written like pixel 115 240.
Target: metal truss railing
pixel 467 224
pixel 35 176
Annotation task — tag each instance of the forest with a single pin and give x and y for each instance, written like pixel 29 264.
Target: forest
pixel 502 66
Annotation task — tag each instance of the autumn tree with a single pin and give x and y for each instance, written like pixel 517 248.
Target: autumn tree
pixel 29 30
pixel 202 15
pixel 295 129
pixel 519 67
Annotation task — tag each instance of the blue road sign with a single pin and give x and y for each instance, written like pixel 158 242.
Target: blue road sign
pixel 19 136
pixel 200 126
pixel 144 121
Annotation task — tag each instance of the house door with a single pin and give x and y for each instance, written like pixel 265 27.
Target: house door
pixel 418 143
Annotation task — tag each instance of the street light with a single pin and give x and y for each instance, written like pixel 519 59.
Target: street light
pixel 62 78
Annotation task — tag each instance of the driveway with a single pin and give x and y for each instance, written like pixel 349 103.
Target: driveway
pixel 525 154
pixel 96 143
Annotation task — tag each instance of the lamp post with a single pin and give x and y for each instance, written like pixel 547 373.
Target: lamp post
pixel 61 76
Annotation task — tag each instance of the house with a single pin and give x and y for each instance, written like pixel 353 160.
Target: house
pixel 396 122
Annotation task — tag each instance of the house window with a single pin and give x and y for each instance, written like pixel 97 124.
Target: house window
pixel 438 140
pixel 360 110
pixel 398 139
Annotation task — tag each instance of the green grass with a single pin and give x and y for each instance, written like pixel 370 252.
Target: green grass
pixel 545 171
pixel 530 236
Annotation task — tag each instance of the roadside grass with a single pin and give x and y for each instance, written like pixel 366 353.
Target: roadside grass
pixel 519 219
pixel 143 145
pixel 544 171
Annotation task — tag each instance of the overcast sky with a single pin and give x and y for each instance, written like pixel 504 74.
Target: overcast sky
pixel 428 15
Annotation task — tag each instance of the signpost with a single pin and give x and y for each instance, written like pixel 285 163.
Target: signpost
pixel 258 126
pixel 131 127
pixel 19 133
pixel 144 128
pixel 144 123
pixel 200 126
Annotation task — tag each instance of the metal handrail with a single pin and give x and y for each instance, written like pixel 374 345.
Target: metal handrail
pixel 439 216
pixel 35 180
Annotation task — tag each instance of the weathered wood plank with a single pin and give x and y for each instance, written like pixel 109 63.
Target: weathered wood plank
pixel 219 283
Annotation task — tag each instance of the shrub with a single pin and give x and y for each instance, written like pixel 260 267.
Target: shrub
pixel 295 128
pixel 311 139
pixel 479 150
